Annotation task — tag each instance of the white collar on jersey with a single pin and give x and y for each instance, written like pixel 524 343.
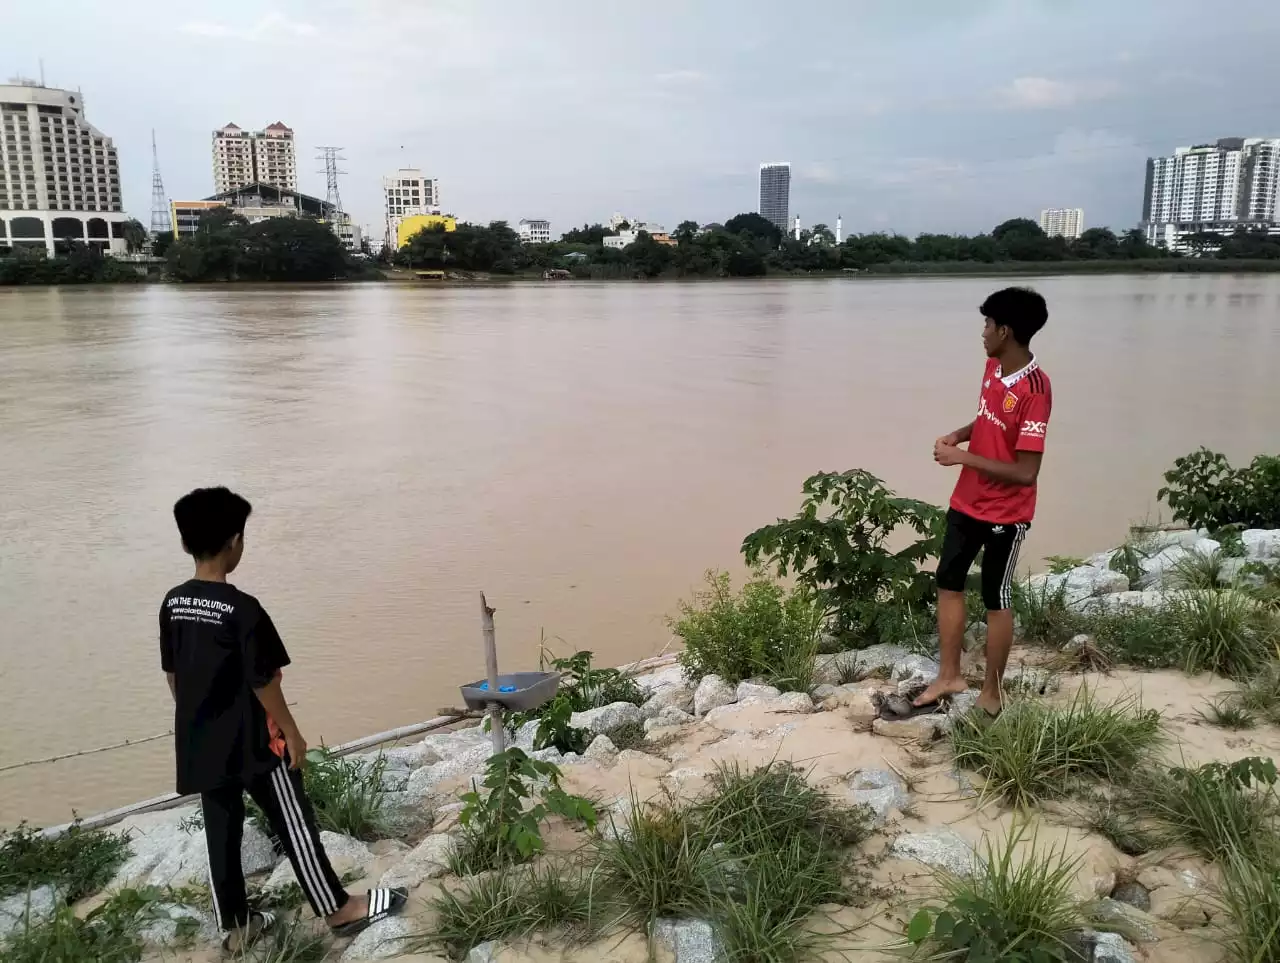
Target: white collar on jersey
pixel 1018 375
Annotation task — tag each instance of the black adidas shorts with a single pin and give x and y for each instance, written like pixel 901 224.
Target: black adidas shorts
pixel 999 545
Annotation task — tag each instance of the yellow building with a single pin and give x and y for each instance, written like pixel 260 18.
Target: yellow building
pixel 417 222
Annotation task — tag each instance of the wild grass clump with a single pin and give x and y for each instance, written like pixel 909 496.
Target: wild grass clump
pixel 292 940
pixel 1251 898
pixel 629 735
pixel 109 933
pixel 1226 632
pixel 761 631
pixel 78 862
pixel 1112 822
pixel 511 905
pixel 1043 615
pixel 1036 751
pixel 348 794
pixel 1228 713
pixel 1261 694
pixel 1198 571
pixel 1014 910
pixel 1216 810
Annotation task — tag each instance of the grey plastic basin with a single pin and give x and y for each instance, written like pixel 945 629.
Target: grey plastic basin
pixel 532 689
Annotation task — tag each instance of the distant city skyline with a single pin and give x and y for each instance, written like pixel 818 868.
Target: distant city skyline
pixel 917 117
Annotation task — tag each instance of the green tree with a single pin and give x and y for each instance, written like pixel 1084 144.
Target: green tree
pixel 135 236
pixel 755 226
pixel 686 231
pixel 593 234
pixel 1097 243
pixel 822 235
pixel 160 243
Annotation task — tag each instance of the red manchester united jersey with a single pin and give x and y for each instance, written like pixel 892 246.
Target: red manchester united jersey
pixel 1013 415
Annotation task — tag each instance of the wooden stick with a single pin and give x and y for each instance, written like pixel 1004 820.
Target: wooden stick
pixel 496 730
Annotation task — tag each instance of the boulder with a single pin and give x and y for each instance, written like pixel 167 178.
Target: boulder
pixel 880 790
pixel 712 693
pixel 166 850
pixel 659 679
pixel 525 735
pixel 381 941
pixel 428 860
pixel 1112 948
pixel 1261 543
pixel 1133 894
pixel 1133 920
pixel 835 668
pixel 346 854
pixel 449 744
pixel 607 717
pixel 406 815
pixel 171 924
pixel 1079 583
pixel 671 697
pixel 913 670
pixel 670 716
pixel 257 852
pixel 602 751
pixel 922 729
pixel 1155 542
pixel 691 941
pixel 797 702
pixel 31 907
pixel 468 759
pixel 411 757
pixel 1120 602
pixel 755 690
pixel 484 953
pixel 1158 567
pixel 1233 570
pixel 939 848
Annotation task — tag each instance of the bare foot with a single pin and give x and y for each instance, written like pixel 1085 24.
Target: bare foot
pixel 355 908
pixel 989 704
pixel 939 688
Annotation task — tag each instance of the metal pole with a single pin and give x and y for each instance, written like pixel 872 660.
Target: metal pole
pixel 496 730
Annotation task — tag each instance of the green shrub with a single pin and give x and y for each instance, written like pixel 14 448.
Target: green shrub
pixel 79 862
pixel 1058 564
pixel 1010 910
pixel 1226 632
pixel 1204 491
pixel 1043 615
pixel 1261 694
pixel 1251 898
pixel 582 687
pixel 497 828
pixel 110 933
pixel 1137 636
pixel 508 906
pixel 1228 713
pixel 761 631
pixel 629 735
pixel 1214 809
pixel 1198 571
pixel 347 793
pixel 1036 750
pixel 836 547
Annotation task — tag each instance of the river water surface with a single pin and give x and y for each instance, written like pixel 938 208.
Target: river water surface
pixel 580 452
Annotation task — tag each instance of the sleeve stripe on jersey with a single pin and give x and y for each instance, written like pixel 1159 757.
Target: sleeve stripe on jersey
pixel 1037 382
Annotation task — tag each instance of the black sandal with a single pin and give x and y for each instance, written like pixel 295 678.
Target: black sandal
pixel 251 933
pixel 382 904
pixel 897 708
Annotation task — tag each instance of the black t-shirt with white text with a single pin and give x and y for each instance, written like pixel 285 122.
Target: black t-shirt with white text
pixel 220 645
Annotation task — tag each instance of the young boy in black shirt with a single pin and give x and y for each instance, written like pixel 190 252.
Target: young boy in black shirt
pixel 233 731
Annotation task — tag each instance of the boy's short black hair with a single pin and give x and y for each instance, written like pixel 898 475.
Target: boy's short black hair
pixel 208 518
pixel 1021 310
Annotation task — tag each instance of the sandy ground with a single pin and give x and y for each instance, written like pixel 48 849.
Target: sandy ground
pixel 832 746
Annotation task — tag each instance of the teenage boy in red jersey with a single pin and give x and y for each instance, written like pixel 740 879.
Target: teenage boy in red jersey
pixel 995 496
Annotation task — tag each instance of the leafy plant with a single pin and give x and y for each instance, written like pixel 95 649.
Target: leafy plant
pixel 582 687
pixel 497 828
pixel 761 631
pixel 1035 750
pixel 1058 564
pixel 348 794
pixel 1251 898
pixel 109 933
pixel 1204 491
pixel 1127 560
pixel 555 729
pixel 1198 571
pixel 629 735
pixel 1261 694
pixel 78 862
pixel 1007 911
pixel 836 547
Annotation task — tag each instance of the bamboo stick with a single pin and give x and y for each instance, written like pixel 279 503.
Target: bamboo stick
pixel 496 730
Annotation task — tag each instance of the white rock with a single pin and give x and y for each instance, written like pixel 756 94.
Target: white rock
pixel 1232 570
pixel 428 860
pixel 1118 602
pixel 406 815
pixel 471 759
pixel 1205 547
pixel 712 693
pixel 411 757
pixel 835 667
pixel 754 690
pixel 32 907
pixel 1079 583
pixel 659 679
pixel 606 717
pixel 668 717
pixel 346 855
pixel 381 941
pixel 448 744
pixel 880 790
pixel 791 702
pixel 670 697
pixel 692 941
pixel 484 953
pixel 163 929
pixel 1162 564
pixel 914 670
pixel 257 853
pixel 939 848
pixel 602 751
pixel 164 853
pixel 1261 542
pixel 1155 542
pixel 525 735
pixel 923 728
pixel 1112 948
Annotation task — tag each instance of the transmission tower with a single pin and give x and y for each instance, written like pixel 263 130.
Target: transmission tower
pixel 159 203
pixel 332 198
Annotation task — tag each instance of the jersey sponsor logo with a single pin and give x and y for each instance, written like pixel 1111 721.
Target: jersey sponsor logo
pixel 1035 428
pixel 1010 401
pixel 985 412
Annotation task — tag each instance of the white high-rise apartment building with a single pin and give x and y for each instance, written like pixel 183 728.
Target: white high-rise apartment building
pixel 405 193
pixel 534 231
pixel 243 157
pixel 1065 222
pixel 775 193
pixel 1212 188
pixel 59 175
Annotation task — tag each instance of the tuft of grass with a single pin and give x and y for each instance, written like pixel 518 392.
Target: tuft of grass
pixel 1228 713
pixel 629 735
pixel 1206 810
pixel 1016 909
pixel 509 905
pixel 1043 615
pixel 291 940
pixel 109 933
pixel 1261 694
pixel 1251 898
pixel 1226 632
pixel 1058 564
pixel 1201 571
pixel 78 862
pixel 1104 817
pixel 347 794
pixel 1036 751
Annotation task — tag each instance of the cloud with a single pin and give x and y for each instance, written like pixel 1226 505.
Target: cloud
pixel 819 173
pixel 274 27
pixel 680 77
pixel 1043 93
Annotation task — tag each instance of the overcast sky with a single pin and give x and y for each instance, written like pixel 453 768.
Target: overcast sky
pixel 928 115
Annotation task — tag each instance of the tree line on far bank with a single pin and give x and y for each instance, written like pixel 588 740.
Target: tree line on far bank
pixel 228 248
